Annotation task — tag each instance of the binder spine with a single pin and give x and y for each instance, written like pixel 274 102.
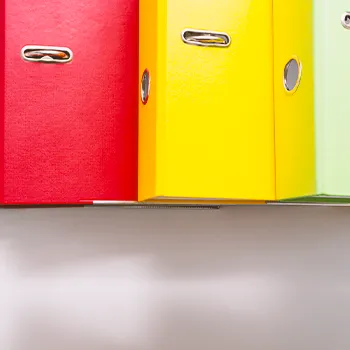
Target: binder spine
pixel 2 100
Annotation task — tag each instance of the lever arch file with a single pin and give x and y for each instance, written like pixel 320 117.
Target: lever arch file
pixel 294 98
pixel 206 128
pixel 331 33
pixel 208 114
pixel 69 101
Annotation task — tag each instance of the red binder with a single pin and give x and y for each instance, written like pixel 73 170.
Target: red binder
pixel 69 73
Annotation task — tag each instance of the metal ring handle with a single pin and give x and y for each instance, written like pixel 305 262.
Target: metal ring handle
pixel 58 55
pixel 345 20
pixel 205 38
pixel 209 39
pixel 145 86
pixel 46 54
pixel 292 74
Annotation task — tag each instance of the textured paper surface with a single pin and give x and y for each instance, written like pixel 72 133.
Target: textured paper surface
pixel 70 130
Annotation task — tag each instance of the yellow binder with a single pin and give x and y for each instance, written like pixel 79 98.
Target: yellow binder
pixel 294 98
pixel 206 127
pixel 207 118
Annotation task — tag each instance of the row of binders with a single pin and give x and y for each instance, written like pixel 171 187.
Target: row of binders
pixel 174 101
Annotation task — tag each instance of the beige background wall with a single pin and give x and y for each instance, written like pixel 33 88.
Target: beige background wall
pixel 237 278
